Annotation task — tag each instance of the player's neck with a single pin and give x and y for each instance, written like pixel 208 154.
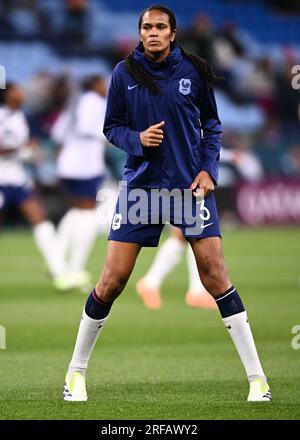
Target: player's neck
pixel 157 57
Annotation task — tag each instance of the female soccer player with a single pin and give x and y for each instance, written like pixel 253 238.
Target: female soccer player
pixel 81 168
pixel 15 186
pixel 156 99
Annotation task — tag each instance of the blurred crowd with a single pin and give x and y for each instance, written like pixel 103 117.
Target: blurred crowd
pixel 258 106
pixel 32 19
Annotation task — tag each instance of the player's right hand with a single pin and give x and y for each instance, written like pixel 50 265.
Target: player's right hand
pixel 153 136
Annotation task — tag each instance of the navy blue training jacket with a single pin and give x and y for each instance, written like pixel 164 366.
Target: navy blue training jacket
pixel 188 147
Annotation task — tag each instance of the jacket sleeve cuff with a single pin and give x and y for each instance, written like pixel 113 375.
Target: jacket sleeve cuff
pixel 212 169
pixel 136 148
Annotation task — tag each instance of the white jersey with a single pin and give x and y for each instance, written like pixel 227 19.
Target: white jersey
pixel 80 134
pixel 14 134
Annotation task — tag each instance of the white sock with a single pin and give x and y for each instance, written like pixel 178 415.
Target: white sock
pixel 240 332
pixel 46 240
pixel 84 235
pixel 195 284
pixel 167 257
pixel 89 330
pixel 66 230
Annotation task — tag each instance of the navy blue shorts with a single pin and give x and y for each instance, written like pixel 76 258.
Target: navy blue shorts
pixel 85 188
pixel 142 219
pixel 14 195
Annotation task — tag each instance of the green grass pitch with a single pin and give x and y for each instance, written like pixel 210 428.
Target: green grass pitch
pixel 175 363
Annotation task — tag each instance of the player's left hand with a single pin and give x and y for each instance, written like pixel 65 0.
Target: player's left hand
pixel 203 181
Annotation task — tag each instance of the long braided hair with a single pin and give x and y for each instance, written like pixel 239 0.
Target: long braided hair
pixel 145 79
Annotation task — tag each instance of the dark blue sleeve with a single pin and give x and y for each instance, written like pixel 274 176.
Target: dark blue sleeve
pixel 211 132
pixel 115 127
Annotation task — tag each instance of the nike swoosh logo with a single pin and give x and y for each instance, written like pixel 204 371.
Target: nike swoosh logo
pixel 132 87
pixel 205 226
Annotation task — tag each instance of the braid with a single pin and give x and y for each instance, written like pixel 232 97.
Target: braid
pixel 142 77
pixel 203 67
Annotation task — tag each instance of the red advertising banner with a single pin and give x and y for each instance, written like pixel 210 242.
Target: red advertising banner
pixel 270 202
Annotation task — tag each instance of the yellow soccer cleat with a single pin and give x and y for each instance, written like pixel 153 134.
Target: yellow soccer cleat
pixel 259 391
pixel 75 390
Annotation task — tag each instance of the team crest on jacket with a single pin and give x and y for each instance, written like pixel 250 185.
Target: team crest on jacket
pixel 185 86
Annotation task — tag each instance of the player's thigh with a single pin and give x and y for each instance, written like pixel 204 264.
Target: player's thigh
pixel 122 256
pixel 83 202
pixel 209 254
pixel 119 263
pixel 211 264
pixel 82 193
pixel 32 210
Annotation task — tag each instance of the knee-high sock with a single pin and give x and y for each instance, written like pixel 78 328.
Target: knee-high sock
pixel 94 316
pixel 167 257
pixel 88 332
pixel 47 242
pixel 66 230
pixel 195 284
pixel 236 321
pixel 84 235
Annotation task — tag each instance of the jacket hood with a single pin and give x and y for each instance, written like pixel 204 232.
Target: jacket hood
pixel 163 69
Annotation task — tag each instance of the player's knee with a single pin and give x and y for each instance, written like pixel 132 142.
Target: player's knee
pixel 111 285
pixel 213 274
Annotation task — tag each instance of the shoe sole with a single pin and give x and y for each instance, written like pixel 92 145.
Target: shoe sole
pixel 260 400
pixel 265 398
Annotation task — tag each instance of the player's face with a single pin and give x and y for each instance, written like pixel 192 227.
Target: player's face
pixel 156 34
pixel 101 87
pixel 15 97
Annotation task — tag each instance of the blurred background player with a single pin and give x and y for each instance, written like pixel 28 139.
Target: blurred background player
pixel 15 186
pixel 81 168
pixel 166 259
